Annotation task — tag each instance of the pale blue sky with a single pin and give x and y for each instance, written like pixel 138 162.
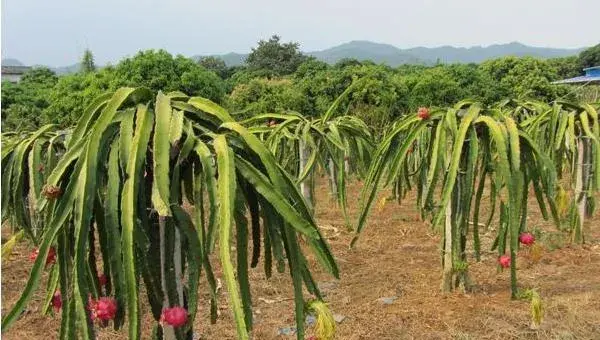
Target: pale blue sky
pixel 55 32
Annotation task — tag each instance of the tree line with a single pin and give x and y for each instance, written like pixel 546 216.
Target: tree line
pixel 277 77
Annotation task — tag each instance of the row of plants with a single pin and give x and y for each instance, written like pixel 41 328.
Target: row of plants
pixel 125 171
pixel 453 156
pixel 570 135
pixel 277 77
pixel 122 175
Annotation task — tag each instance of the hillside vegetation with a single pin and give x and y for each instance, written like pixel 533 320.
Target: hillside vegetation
pixel 278 77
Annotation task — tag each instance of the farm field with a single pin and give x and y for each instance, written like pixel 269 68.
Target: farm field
pixel 183 183
pixel 390 285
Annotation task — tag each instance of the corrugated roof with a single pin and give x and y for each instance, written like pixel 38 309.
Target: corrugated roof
pixel 580 79
pixel 15 69
pixel 592 71
pixel 592 75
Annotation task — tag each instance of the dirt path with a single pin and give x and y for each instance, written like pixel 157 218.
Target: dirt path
pixel 397 257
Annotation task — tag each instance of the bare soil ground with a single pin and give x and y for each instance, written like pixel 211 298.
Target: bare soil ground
pixel 398 255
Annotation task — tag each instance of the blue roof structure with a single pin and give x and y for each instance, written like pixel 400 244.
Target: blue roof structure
pixel 592 75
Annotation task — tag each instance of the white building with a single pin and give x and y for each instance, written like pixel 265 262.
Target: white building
pixel 13 74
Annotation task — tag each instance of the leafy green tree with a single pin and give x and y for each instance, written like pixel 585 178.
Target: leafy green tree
pixel 215 64
pixel 567 67
pixel 22 117
pixel 42 76
pixel 242 75
pixel 379 96
pixel 87 62
pixel 73 93
pixel 475 83
pixel 262 95
pixel 590 57
pixel 23 102
pixel 345 62
pixel 151 69
pixel 160 70
pixel 275 58
pixel 433 87
pixel 410 69
pixel 313 79
pixel 200 81
pixel 10 95
pixel 310 68
pixel 233 70
pixel 524 77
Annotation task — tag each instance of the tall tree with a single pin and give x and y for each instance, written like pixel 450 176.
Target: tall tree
pixel 159 70
pixel 23 102
pixel 152 69
pixel 215 64
pixel 87 62
pixel 262 95
pixel 566 67
pixel 73 93
pixel 590 57
pixel 275 58
pixel 524 77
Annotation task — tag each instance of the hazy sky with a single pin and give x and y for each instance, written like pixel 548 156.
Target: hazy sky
pixel 55 32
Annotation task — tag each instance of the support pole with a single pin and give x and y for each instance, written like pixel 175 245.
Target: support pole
pixel 346 162
pixel 303 160
pixel 580 190
pixel 178 267
pixel 333 178
pixel 168 331
pixel 448 270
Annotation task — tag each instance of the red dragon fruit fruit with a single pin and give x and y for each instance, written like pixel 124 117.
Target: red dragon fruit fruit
pixel 527 239
pixel 504 261
pixel 174 316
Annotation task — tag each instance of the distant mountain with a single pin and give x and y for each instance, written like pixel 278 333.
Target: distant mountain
pixel 11 62
pixel 230 59
pixel 477 54
pixel 66 69
pixel 394 56
pixel 367 50
pixel 391 55
pixel 58 70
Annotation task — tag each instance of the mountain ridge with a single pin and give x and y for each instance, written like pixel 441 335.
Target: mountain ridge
pixel 392 55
